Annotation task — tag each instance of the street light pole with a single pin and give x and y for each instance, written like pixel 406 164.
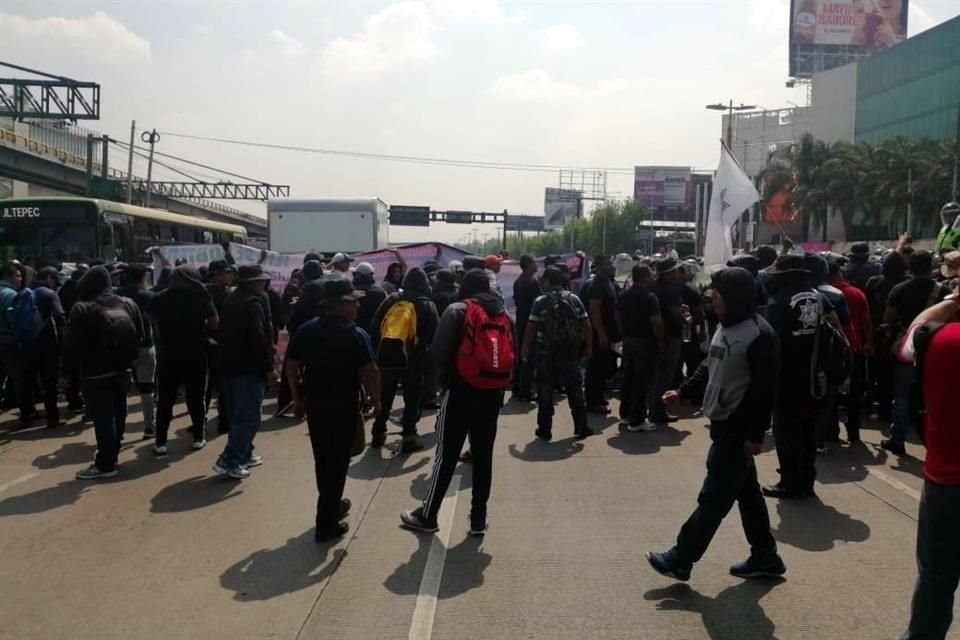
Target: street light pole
pixel 150 137
pixel 730 109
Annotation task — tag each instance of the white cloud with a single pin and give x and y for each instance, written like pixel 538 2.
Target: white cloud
pixel 538 86
pixel 398 34
pixel 474 10
pixel 289 46
pixel 558 38
pixel 99 36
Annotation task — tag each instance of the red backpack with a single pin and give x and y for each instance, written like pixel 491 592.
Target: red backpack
pixel 485 358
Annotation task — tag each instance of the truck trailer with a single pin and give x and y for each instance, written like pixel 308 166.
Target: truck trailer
pixel 327 225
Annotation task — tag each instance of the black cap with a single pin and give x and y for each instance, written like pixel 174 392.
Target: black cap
pixel 860 249
pixel 220 266
pixel 251 273
pixel 666 265
pixel 790 264
pixel 343 289
pixel 431 266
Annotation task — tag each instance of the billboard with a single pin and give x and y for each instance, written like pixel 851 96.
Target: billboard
pixel 560 206
pixel 829 33
pixel 663 186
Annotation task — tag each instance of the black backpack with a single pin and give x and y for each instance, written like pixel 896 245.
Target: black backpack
pixel 833 358
pixel 561 327
pixel 119 336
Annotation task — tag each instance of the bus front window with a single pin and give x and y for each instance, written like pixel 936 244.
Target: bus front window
pixel 56 233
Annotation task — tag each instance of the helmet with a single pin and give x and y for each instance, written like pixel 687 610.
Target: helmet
pixel 949 213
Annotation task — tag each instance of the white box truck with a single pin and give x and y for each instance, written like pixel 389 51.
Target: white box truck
pixel 327 225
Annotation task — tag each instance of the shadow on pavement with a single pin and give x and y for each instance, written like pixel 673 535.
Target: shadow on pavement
pixel 275 423
pixel 850 463
pixel 46 499
pixel 42 432
pixel 814 526
pixel 299 564
pixel 644 443
pixel 194 493
pixel 541 451
pixel 734 614
pixel 373 465
pixel 517 407
pixel 465 564
pixel 70 453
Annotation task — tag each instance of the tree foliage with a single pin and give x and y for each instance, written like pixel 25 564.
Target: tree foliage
pixel 864 184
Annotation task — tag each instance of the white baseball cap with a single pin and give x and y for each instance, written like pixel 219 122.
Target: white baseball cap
pixel 364 269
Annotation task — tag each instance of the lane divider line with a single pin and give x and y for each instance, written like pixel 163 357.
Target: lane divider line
pixel 24 478
pixel 421 627
pixel 893 482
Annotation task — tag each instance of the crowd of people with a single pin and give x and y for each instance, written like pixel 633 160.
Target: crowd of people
pixel 793 341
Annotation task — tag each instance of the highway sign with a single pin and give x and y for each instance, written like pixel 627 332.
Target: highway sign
pixel 409 216
pixel 524 223
pixel 459 217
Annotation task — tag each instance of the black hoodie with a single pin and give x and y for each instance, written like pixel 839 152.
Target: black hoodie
pixel 416 289
pixel 449 334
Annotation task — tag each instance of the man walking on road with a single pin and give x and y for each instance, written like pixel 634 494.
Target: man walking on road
pixel 103 340
pixel 145 368
pixel 473 352
pixel 638 316
pixel 330 364
pixel 600 298
pixel 935 341
pixel 246 368
pixel 738 384
pixel 526 290
pixel 559 326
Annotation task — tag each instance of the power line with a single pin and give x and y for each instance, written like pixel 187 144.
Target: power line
pixel 199 164
pixel 125 146
pixel 476 164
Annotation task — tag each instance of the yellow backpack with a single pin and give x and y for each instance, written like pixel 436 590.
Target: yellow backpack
pixel 398 335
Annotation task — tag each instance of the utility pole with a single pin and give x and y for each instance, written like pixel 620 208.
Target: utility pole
pixel 730 109
pixel 956 157
pixel 90 164
pixel 133 131
pixel 151 138
pixel 504 246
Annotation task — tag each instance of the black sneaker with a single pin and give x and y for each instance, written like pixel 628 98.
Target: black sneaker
pixel 332 533
pixel 411 445
pixel 665 563
pixel 783 493
pixel 585 433
pixel 415 521
pixel 754 567
pixel 478 528
pixel 543 434
pixel 345 505
pixel 893 446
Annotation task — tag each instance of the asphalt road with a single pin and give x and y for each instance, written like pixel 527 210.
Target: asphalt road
pixel 168 550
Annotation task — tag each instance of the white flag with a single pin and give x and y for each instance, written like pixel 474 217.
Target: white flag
pixel 733 192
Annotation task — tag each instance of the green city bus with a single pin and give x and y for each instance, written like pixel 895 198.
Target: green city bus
pixel 54 230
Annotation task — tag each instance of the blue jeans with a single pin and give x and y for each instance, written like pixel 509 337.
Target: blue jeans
pixel 904 376
pixel 107 403
pixel 244 395
pixel 938 562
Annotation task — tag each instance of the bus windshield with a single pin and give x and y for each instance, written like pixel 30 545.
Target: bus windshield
pixel 45 233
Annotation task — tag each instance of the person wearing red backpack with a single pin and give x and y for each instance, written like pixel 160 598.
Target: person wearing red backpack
pixel 473 351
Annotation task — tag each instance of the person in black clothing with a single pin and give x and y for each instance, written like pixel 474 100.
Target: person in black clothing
pixel 600 297
pixel 220 276
pixel 446 291
pixel 861 268
pixel 893 271
pixel 185 317
pixel 246 368
pixel 638 316
pixel 330 396
pixel 393 280
pixel 466 411
pixel 68 297
pixel 373 295
pixel 303 307
pixel 906 301
pixel 526 289
pixel 668 290
pixel 104 334
pixel 40 355
pixel 145 368
pixel 416 290
pixel 738 383
pixel 692 306
pixel 795 311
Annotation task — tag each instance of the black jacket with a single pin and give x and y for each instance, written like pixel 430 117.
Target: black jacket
pixel 375 295
pixel 427 320
pixel 83 341
pixel 246 335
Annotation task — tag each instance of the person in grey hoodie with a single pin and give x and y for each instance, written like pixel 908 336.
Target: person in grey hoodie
pixel 465 410
pixel 738 383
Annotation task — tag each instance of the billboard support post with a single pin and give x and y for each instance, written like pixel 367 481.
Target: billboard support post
pixel 504 246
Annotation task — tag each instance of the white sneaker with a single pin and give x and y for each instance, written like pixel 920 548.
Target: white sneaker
pixel 254 461
pixel 199 444
pixel 160 451
pixel 646 426
pixel 237 474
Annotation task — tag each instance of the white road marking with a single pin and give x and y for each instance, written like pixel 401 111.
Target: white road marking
pixel 421 628
pixel 893 482
pixel 24 478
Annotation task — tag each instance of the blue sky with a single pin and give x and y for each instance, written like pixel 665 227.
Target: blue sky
pixel 611 84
